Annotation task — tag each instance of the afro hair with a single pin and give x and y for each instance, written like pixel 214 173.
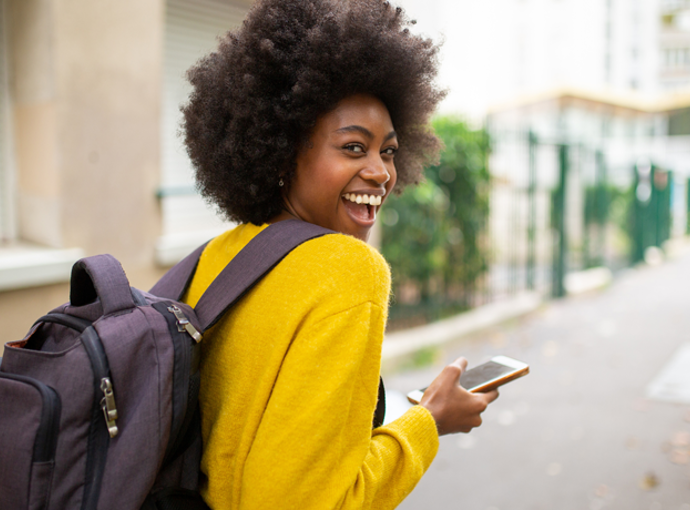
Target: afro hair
pixel 256 99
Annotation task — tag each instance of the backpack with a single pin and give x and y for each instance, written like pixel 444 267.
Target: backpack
pixel 98 403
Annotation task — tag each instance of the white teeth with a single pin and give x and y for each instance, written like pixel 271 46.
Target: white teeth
pixel 363 199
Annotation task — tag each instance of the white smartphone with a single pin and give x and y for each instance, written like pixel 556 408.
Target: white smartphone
pixel 486 377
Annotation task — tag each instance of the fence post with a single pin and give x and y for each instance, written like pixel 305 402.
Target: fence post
pixel 662 188
pixel 602 207
pixel 561 246
pixel 532 211
pixel 637 252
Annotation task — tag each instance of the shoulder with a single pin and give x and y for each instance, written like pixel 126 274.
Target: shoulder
pixel 333 265
pixel 343 255
pixel 338 266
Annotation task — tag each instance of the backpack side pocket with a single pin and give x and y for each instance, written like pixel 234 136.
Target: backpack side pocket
pixel 29 427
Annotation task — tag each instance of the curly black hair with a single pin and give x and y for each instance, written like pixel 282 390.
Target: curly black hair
pixel 256 100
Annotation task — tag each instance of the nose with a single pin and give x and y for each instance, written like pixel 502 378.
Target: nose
pixel 376 170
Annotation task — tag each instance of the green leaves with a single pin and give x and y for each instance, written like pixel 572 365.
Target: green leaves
pixel 433 234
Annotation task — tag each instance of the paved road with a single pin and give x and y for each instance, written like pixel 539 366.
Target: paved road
pixel 578 433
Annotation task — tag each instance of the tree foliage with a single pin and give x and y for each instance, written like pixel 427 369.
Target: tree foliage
pixel 434 234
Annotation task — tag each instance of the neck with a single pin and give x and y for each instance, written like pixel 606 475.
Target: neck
pixel 288 213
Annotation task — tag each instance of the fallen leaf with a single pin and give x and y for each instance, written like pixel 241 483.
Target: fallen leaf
pixel 679 457
pixel 632 443
pixel 601 491
pixel 649 482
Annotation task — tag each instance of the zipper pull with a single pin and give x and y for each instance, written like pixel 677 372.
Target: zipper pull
pixel 183 323
pixel 108 406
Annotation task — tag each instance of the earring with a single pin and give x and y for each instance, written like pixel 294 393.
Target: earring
pixel 281 183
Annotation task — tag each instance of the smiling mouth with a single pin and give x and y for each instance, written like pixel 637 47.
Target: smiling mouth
pixel 361 210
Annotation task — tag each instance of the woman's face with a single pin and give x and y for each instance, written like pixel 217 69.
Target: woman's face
pixel 347 170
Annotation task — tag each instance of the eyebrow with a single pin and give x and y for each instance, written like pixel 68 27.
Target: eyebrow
pixel 361 129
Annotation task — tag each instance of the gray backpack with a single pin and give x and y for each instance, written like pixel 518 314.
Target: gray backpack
pixel 98 403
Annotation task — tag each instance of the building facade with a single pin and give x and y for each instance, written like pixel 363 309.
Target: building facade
pixel 495 51
pixel 90 156
pixel 674 46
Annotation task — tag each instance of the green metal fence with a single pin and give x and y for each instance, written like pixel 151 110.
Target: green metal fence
pixel 556 207
pixel 604 208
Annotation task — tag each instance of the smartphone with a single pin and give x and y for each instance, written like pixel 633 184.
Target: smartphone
pixel 486 377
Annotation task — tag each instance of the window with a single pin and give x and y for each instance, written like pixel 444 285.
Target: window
pixel 192 28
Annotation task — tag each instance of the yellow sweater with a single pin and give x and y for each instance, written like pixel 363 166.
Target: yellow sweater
pixel 289 382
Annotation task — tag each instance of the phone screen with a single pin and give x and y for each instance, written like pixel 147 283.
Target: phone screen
pixel 482 373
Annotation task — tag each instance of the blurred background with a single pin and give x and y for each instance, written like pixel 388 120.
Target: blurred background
pixel 567 134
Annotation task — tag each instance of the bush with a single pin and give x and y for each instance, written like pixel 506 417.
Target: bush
pixel 433 234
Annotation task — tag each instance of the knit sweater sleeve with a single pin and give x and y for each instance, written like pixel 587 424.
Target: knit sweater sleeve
pixel 290 384
pixel 315 448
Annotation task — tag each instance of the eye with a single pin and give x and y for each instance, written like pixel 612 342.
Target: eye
pixel 354 147
pixel 389 151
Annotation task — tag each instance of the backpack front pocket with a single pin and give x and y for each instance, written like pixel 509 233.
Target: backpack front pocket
pixel 29 426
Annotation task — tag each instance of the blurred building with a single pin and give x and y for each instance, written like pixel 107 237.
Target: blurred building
pixel 626 126
pixel 90 157
pixel 583 180
pixel 674 44
pixel 496 50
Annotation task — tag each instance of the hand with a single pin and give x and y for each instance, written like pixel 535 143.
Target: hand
pixel 453 407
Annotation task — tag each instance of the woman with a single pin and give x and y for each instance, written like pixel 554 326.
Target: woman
pixel 315 110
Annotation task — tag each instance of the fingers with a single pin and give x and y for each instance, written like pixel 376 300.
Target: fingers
pixel 490 396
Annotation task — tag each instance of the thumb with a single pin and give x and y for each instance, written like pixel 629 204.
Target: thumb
pixel 461 363
pixel 456 368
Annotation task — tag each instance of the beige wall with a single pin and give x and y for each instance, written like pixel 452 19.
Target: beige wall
pixel 85 85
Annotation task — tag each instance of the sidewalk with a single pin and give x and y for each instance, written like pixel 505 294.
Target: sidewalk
pixel 602 421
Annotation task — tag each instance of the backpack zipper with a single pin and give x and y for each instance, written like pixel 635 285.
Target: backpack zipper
pixel 183 323
pixel 185 366
pixel 100 432
pixel 99 363
pixel 108 406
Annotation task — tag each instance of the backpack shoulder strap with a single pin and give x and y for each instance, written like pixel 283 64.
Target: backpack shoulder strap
pixel 255 260
pixel 176 281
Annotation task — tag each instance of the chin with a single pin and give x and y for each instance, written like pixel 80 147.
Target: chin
pixel 362 235
pixel 361 232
